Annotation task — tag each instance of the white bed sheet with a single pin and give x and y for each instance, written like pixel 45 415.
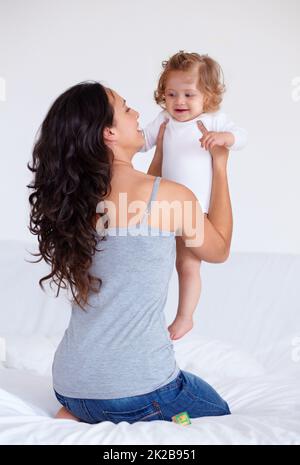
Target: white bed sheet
pixel 265 409
pixel 246 343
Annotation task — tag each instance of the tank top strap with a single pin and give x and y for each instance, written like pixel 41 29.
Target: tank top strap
pixel 152 198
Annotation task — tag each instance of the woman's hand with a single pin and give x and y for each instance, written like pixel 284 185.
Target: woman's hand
pixel 156 164
pixel 219 153
pixel 160 136
pixel 212 138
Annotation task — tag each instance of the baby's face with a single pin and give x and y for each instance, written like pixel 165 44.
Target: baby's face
pixel 184 101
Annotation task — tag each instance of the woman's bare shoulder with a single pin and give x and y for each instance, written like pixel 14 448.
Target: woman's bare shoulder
pixel 171 190
pixel 173 198
pixel 140 184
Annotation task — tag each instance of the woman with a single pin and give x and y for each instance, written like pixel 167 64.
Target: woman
pixel 116 360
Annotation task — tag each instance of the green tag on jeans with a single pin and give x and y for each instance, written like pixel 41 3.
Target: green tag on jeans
pixel 182 418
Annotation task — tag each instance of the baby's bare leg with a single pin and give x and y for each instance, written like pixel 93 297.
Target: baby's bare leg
pixel 188 269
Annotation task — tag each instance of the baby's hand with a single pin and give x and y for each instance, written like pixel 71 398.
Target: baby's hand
pixel 212 138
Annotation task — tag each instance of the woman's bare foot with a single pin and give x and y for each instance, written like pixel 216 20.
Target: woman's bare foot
pixel 64 413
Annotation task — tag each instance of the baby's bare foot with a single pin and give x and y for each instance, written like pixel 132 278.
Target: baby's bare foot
pixel 180 326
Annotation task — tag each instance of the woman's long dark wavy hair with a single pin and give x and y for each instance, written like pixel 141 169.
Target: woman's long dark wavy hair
pixel 73 170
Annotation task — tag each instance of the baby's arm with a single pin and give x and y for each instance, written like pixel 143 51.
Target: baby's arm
pixel 225 133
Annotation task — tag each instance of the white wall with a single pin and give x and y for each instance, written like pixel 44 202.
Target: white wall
pixel 47 46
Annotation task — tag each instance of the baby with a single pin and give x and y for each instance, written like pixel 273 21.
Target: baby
pixel 190 89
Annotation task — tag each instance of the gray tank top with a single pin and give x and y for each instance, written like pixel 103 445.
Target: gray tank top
pixel 121 347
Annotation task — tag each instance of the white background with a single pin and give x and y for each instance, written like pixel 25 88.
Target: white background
pixel 47 46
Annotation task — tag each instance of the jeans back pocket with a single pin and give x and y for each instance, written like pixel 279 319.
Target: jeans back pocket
pixel 148 412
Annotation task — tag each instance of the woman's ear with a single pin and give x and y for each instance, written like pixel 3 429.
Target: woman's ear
pixel 109 134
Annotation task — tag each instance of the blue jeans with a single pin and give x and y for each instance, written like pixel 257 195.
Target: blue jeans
pixel 187 393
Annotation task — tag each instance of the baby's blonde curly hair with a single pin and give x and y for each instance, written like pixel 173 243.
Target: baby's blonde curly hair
pixel 210 78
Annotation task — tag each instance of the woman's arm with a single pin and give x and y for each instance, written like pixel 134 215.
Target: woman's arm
pixel 156 164
pixel 220 211
pixel 215 230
